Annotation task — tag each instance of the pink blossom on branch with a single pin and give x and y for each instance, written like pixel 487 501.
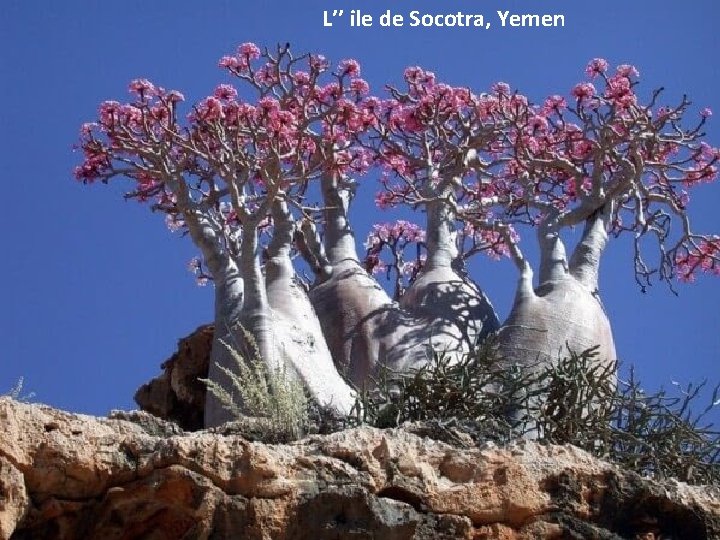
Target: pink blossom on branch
pixel 583 91
pixel 609 150
pixel 596 67
pixel 142 87
pixel 225 92
pixel 388 246
pixel 230 157
pixel 249 50
pixel 349 67
pixel 698 256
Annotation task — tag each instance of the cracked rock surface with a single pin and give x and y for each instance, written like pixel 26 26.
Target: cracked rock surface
pixel 71 476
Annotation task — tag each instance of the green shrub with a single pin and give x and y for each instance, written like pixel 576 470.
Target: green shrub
pixel 273 399
pixel 576 400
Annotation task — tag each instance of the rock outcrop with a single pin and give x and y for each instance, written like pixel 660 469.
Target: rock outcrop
pixel 177 393
pixel 69 476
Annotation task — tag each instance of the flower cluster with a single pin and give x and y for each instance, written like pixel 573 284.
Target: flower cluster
pixel 395 240
pixel 477 239
pixel 195 267
pixel 304 122
pixel 479 153
pixel 703 256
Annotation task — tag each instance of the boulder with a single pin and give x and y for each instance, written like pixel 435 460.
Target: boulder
pixel 177 394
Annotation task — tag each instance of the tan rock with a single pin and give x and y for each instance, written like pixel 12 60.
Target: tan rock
pixel 177 393
pixel 133 476
pixel 14 500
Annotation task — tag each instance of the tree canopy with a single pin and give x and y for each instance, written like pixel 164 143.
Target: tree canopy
pixel 263 172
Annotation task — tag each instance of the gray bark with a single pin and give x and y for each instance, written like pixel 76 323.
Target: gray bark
pixel 553 260
pixel 363 328
pixel 459 310
pixel 565 307
pixel 229 288
pixel 228 303
pixel 585 260
pixel 253 316
pixel 347 300
pixel 300 343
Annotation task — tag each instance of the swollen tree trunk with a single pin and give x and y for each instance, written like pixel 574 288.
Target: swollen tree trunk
pixel 458 311
pixel 565 307
pixel 254 317
pixel 228 304
pixel 229 288
pixel 299 340
pixel 564 310
pixel 349 303
pixel 364 329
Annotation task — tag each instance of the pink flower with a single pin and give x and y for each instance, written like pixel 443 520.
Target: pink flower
pixel 706 112
pixel 229 62
pixel 537 123
pixel 142 87
pixel 704 257
pixel 383 199
pixel 486 106
pixel 329 92
pixel 595 67
pixel 301 78
pixel 626 70
pixel 359 86
pixel 108 111
pixel 96 163
pixel 210 109
pixel 349 67
pixel 174 96
pixel 416 75
pixel 501 88
pixel 225 92
pixel 583 91
pixel 554 102
pixel 268 105
pixel 620 91
pixel 581 149
pixel 130 115
pixel 249 50
pixel 318 63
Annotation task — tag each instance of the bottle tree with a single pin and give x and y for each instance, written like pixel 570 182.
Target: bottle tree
pixel 442 309
pixel 424 145
pixel 238 171
pixel 609 163
pixel 239 164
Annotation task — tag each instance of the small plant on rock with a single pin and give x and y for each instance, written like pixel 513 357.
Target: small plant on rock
pixel 272 399
pixel 18 393
pixel 574 400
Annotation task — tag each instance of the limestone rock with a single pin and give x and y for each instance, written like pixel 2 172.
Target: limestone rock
pixel 177 394
pixel 69 476
pixel 14 500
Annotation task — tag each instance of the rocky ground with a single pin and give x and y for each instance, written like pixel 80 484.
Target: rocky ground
pixel 132 475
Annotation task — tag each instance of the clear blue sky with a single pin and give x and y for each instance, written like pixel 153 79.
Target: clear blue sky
pixel 94 291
